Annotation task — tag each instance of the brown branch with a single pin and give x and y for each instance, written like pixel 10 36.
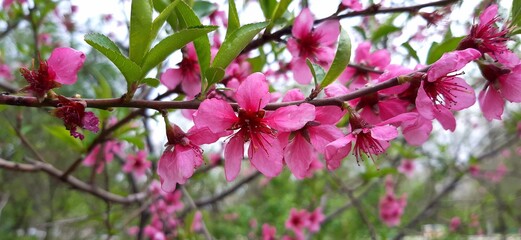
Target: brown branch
pixel 72 181
pixel 371 10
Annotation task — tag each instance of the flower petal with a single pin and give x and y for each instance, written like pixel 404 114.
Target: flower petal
pixel 328 32
pixel 215 114
pixel 66 63
pixel 291 118
pixel 424 104
pixel 323 135
pixel 491 103
pixel 451 62
pixel 266 154
pixel 297 156
pixel 511 85
pixel 253 94
pixel 301 71
pixel 337 150
pixel 233 155
pixel 171 78
pixel 385 132
pixel 303 24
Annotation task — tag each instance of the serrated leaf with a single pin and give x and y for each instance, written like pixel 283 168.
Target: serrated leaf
pixel 204 8
pixel 214 75
pixel 152 82
pixel 64 135
pixel 140 29
pixel 411 51
pixel 172 43
pixel 317 71
pixel 235 43
pixel 341 60
pixel 160 20
pixel 280 9
pixel 382 31
pixel 437 50
pixel 233 18
pixel 130 70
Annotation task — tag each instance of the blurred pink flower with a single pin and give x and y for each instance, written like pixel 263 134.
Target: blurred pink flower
pixel 298 220
pixel 391 207
pixel 352 4
pixel 5 72
pixel 188 74
pixel 268 232
pixel 137 164
pixel 455 223
pixel 377 60
pixel 197 222
pixel 315 218
pixel 407 168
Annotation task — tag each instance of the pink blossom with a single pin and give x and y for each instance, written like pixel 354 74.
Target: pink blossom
pixel 137 164
pixel 352 4
pixel 485 36
pixel 182 155
pixel 440 92
pixel 377 60
pixel 503 83
pixel 407 168
pixel 253 124
pixel 7 3
pixel 5 72
pixel 455 223
pixel 313 44
pixel 315 218
pixel 268 232
pixel 188 74
pixel 95 158
pixel 474 170
pixel 298 220
pixel 74 116
pixel 197 222
pixel 391 207
pixel 61 68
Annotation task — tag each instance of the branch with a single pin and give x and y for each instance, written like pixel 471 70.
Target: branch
pixel 371 10
pixel 72 181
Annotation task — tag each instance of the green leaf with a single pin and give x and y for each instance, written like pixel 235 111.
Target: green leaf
pixel 64 135
pixel 268 6
pixel 152 82
pixel 411 51
pixel 160 6
pixel 257 63
pixel 202 44
pixel 437 50
pixel 235 43
pixel 515 13
pixel 172 43
pixel 383 31
pixel 342 57
pixel 280 9
pixel 130 70
pixel 233 18
pixel 140 29
pixel 103 90
pixel 204 8
pixel 214 75
pixel 160 20
pixel 317 71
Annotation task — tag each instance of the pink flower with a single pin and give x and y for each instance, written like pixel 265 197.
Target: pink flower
pixel 352 4
pixel 391 207
pixel 268 232
pixel 298 220
pixel 254 125
pixel 188 74
pixel 137 164
pixel 94 158
pixel 74 116
pixel 377 60
pixel 455 223
pixel 503 82
pixel 313 44
pixel 61 68
pixel 5 72
pixel 182 155
pixel 440 92
pixel 485 36
pixel 315 218
pixel 301 145
pixel 407 168
pixel 197 223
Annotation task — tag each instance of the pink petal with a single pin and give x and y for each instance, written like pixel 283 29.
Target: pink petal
pixel 291 118
pixel 199 136
pixel 293 95
pixel 511 85
pixel 424 104
pixel 329 114
pixel 325 54
pixel 293 47
pixel 233 155
pixel 171 78
pixel 298 156
pixel 446 119
pixel 191 85
pixel 253 94
pixel 335 90
pixel 90 122
pixel 416 132
pixel 66 63
pixel 362 52
pixel 301 71
pixel 451 62
pixel 380 58
pixel 177 166
pixel 491 103
pixel 464 96
pixel 266 154
pixel 303 24
pixel 323 135
pixel 215 114
pixel 385 132
pixel 488 14
pixel 346 76
pixel 392 107
pixel 337 150
pixel 328 32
